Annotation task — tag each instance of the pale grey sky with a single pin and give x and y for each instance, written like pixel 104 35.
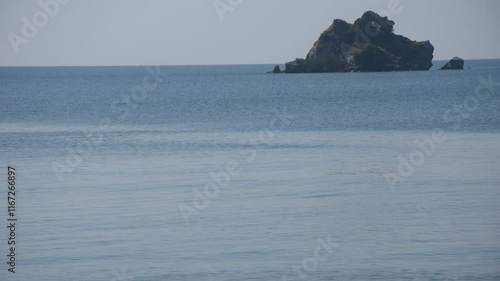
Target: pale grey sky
pixel 173 32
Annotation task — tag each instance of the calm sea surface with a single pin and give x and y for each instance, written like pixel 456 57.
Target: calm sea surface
pixel 226 173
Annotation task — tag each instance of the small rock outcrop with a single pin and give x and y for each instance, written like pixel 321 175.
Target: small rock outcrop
pixel 369 44
pixel 454 63
pixel 276 70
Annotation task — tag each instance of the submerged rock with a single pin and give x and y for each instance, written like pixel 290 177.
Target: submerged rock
pixel 454 63
pixel 367 45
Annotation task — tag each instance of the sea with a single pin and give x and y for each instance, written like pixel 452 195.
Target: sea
pixel 224 172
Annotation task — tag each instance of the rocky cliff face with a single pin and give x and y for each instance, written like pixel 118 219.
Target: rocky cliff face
pixel 367 45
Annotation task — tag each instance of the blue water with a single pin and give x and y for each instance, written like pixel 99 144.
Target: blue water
pixel 105 170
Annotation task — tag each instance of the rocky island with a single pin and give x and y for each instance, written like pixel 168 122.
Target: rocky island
pixel 367 45
pixel 455 63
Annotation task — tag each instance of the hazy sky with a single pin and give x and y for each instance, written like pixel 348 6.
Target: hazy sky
pixel 172 32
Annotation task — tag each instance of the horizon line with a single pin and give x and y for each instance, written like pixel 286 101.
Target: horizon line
pixel 223 64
